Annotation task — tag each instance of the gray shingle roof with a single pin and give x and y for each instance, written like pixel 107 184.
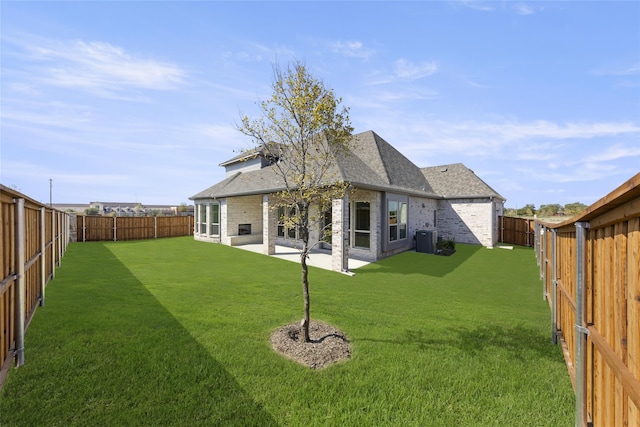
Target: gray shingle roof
pixel 458 181
pixel 373 164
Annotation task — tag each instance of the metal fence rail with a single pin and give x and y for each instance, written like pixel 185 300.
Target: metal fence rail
pixel 590 267
pixel 34 239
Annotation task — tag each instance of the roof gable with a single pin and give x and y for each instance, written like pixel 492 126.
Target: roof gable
pixel 458 181
pixel 373 162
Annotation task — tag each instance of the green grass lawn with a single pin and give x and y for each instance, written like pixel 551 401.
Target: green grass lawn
pixel 176 332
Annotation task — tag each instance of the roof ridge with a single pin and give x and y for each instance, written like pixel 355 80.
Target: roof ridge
pixel 385 167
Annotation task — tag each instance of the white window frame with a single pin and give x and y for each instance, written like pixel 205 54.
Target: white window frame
pixel 211 221
pixel 354 223
pixel 396 224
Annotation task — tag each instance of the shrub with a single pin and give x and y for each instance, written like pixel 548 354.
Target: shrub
pixel 446 244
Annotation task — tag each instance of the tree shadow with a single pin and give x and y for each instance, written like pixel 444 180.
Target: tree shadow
pixel 479 340
pixel 105 351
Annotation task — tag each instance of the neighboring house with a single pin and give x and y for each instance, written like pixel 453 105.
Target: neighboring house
pixel 125 209
pixel 391 200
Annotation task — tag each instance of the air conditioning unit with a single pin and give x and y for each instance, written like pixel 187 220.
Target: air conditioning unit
pixel 426 241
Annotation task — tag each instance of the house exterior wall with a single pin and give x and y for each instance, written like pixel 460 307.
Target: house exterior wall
pixel 269 226
pixel 241 210
pixel 197 229
pixel 422 215
pixel 339 227
pixel 244 166
pixel 468 220
pixel 472 221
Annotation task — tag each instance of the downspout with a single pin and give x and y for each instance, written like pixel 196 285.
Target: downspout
pixel 581 326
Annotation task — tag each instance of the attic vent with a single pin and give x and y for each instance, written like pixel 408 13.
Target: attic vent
pixel 443 169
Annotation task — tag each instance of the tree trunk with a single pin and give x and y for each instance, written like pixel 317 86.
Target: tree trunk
pixel 305 291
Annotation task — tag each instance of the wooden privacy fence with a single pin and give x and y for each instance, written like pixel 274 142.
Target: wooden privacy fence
pixel 34 239
pixel 101 228
pixel 516 231
pixel 590 267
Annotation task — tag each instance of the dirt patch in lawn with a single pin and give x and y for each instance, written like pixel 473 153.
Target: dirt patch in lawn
pixel 328 345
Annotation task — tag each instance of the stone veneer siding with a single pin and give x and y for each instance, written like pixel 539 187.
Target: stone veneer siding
pixel 421 215
pixel 240 210
pixel 468 221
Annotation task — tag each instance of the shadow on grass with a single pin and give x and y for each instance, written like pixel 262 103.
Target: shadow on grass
pixel 412 262
pixel 104 351
pixel 478 341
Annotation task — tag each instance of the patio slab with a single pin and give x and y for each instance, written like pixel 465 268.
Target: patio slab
pixel 317 259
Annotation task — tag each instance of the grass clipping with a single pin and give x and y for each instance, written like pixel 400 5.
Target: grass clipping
pixel 328 345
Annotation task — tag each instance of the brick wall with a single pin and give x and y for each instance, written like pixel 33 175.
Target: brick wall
pixel 467 221
pixel 421 215
pixel 242 210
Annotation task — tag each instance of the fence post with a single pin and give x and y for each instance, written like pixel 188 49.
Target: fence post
pixel 43 251
pixel 59 238
pixel 20 281
pixel 155 227
pixel 544 262
pixel 554 288
pixel 53 244
pixel 581 327
pixel 115 229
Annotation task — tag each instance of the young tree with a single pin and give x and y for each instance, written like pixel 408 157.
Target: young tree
pixel 300 132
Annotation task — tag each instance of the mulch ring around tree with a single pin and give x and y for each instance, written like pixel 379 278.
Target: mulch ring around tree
pixel 328 344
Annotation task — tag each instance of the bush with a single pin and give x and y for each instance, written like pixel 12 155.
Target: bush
pixel 446 244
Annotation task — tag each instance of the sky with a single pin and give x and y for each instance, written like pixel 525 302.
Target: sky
pixel 139 101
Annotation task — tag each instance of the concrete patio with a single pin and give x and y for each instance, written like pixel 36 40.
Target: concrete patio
pixel 319 259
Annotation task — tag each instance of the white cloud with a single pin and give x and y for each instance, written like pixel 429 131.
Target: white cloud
pixel 28 170
pixel 523 9
pixel 477 5
pixel 98 67
pixel 52 114
pixel 510 130
pixel 24 89
pixel 354 49
pixel 614 152
pixel 427 140
pixel 626 69
pixel 405 69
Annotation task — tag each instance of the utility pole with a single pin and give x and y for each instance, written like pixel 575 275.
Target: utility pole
pixel 50 193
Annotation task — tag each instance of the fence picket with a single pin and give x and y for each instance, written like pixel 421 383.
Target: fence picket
pixel 611 377
pixel 30 252
pixel 100 228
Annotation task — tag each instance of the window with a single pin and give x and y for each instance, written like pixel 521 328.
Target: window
pixel 362 225
pixel 283 231
pixel 202 218
pixel 397 214
pixel 280 221
pixel 214 220
pixel 326 226
pixel 292 232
